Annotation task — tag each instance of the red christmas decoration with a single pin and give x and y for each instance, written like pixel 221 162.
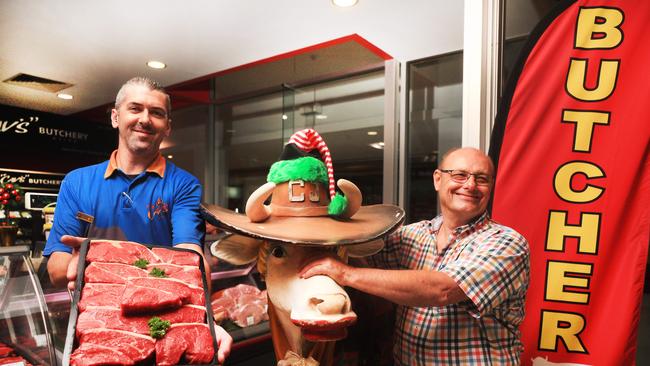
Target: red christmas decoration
pixel 10 198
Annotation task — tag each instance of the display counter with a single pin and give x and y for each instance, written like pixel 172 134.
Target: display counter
pixel 25 329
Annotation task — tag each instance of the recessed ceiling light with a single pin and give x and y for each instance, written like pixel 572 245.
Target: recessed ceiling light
pixel 321 116
pixel 156 64
pixel 344 3
pixel 285 117
pixel 64 96
pixel 170 156
pixel 372 133
pixel 377 145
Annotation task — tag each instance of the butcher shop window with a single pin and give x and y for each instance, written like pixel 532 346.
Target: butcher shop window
pixel 348 112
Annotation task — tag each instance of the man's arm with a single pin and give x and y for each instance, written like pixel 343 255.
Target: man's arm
pixel 57 267
pixel 404 287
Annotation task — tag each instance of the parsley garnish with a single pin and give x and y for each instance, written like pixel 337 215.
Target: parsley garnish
pixel 158 327
pixel 157 272
pixel 141 263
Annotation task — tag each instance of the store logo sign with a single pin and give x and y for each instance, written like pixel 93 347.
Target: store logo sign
pixel 19 126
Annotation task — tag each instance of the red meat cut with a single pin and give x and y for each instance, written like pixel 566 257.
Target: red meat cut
pixel 114 251
pixel 178 257
pixel 149 294
pixel 98 272
pixel 95 354
pixel 100 294
pixel 246 305
pixel 14 360
pixel 112 318
pixel 189 274
pixel 194 341
pixel 96 343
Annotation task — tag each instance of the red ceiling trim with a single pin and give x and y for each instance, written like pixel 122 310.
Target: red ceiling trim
pixel 351 38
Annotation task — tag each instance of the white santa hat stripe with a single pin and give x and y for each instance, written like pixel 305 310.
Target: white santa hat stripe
pixel 309 139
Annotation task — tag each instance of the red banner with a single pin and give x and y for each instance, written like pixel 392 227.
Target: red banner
pixel 571 143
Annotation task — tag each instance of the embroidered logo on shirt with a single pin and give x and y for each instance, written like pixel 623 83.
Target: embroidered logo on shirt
pixel 156 209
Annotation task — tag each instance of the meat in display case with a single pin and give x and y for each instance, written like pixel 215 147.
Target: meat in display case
pixel 25 336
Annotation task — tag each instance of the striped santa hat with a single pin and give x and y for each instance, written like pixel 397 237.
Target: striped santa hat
pixel 307 157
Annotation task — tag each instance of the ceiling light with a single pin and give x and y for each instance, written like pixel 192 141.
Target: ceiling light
pixel 344 3
pixel 64 96
pixel 156 64
pixel 377 145
pixel 285 117
pixel 321 116
pixel 170 156
pixel 372 133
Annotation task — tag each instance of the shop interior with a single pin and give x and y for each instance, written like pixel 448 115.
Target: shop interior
pixel 387 95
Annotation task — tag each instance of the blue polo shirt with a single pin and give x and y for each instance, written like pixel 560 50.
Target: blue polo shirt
pixel 159 206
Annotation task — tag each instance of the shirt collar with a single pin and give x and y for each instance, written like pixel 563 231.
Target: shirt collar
pixel 157 166
pixel 472 226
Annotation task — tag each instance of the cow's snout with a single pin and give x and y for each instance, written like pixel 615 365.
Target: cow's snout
pixel 330 304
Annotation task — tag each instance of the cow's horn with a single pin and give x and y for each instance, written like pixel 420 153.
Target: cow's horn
pixel 256 210
pixel 353 195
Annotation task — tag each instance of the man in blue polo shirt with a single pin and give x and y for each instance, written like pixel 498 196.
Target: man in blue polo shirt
pixel 136 195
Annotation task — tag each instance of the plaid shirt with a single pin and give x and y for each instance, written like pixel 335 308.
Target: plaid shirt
pixel 490 264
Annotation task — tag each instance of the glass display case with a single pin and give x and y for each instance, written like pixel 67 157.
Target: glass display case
pixel 25 330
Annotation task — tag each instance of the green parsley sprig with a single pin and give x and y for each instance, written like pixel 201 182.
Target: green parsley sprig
pixel 141 263
pixel 158 327
pixel 157 272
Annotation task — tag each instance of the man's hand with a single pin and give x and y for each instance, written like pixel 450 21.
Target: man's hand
pixel 327 266
pixel 224 342
pixel 73 242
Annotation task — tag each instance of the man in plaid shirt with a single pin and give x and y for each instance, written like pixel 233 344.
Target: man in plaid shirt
pixel 459 280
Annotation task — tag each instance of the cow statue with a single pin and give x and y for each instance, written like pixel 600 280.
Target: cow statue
pixel 304 221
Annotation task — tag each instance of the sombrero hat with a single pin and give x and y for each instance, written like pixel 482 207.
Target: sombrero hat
pixel 305 208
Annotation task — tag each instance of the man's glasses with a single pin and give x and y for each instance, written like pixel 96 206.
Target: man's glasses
pixel 461 176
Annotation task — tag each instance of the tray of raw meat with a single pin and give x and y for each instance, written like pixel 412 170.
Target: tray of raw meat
pixel 138 304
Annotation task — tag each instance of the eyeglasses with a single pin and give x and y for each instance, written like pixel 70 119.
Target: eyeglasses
pixel 461 176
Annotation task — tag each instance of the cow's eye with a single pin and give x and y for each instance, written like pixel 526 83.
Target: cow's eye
pixel 278 252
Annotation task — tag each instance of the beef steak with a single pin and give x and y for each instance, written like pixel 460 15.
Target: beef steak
pixel 194 341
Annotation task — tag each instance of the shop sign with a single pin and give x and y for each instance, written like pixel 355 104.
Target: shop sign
pixel 31 181
pixel 571 146
pixel 46 132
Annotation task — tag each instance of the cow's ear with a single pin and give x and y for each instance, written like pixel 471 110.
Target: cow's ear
pixel 365 249
pixel 236 249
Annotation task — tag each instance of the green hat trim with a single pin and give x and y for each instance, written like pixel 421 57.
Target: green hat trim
pixel 307 168
pixel 337 206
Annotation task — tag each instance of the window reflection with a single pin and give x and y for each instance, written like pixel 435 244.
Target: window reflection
pixel 433 126
pixel 343 111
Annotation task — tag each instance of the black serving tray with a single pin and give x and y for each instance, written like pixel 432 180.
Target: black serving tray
pixel 70 340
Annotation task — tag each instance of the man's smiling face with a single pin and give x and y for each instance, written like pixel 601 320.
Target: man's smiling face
pixel 461 202
pixel 142 119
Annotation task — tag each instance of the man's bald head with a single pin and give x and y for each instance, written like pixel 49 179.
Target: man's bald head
pixel 474 153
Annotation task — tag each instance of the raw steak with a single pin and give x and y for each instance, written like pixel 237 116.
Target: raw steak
pixel 192 340
pixel 149 294
pixel 124 252
pixel 134 347
pixel 179 257
pixel 98 272
pixel 94 354
pixel 14 360
pixel 112 318
pixel 248 314
pixel 100 294
pixel 221 307
pixel 246 305
pixel 189 274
